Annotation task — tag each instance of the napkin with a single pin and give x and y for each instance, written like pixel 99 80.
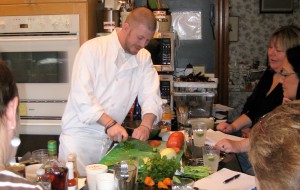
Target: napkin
pixel 215 181
pixel 212 137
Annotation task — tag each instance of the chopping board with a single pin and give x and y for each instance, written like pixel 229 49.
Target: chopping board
pixel 133 148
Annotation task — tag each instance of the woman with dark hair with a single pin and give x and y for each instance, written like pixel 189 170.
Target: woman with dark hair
pixel 8 126
pixel 290 75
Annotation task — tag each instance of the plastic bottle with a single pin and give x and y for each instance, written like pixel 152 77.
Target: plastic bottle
pixel 167 114
pixel 54 169
pixel 72 157
pixel 72 184
pixel 42 179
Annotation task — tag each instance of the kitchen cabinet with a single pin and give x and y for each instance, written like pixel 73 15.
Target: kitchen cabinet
pixel 85 8
pixel 8 2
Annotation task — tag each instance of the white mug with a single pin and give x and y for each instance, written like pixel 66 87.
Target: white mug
pixel 91 173
pixel 105 181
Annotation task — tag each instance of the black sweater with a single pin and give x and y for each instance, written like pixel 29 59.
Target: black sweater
pixel 259 103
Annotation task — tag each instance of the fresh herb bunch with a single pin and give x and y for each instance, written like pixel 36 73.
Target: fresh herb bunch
pixel 159 168
pixel 135 144
pixel 196 172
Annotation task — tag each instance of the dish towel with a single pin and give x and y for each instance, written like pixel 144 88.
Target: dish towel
pixel 215 181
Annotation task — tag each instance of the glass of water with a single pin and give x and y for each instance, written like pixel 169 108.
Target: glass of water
pixel 184 184
pixel 211 157
pixel 199 133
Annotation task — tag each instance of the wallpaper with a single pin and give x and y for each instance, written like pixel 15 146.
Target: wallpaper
pixel 248 55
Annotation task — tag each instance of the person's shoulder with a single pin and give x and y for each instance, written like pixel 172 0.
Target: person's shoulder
pixel 10 180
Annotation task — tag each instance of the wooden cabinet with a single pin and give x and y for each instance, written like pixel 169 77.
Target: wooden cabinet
pixel 10 2
pixel 85 8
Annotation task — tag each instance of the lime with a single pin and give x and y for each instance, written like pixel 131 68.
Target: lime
pixel 211 158
pixel 176 179
pixel 200 133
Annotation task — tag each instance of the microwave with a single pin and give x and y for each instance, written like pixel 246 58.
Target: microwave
pixel 162 51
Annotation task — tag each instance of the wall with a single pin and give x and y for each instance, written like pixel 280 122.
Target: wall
pixel 252 44
pixel 196 52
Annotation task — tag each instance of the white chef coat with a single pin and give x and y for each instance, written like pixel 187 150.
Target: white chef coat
pixel 101 85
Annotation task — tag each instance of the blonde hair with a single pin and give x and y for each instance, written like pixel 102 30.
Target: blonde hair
pixel 286 36
pixel 142 15
pixel 275 148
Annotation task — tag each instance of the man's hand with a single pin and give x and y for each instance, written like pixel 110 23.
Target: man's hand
pixel 142 133
pixel 117 133
pixel 225 127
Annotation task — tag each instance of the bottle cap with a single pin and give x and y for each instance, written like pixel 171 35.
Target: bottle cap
pixel 52 147
pixel 72 157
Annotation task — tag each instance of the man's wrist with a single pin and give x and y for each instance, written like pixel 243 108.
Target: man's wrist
pixel 109 125
pixel 148 127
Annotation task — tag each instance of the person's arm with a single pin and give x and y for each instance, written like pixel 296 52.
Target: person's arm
pixel 113 129
pixel 230 146
pixel 143 131
pixel 241 122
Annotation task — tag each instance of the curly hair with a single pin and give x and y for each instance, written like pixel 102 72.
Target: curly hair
pixel 275 148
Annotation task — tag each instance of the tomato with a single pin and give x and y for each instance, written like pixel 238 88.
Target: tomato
pixel 175 140
pixel 154 143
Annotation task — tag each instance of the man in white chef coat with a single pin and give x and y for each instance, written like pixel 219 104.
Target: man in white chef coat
pixel 108 74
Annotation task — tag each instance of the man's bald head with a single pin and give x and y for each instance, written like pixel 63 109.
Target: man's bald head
pixel 142 15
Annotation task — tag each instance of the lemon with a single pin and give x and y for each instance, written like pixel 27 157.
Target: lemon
pixel 200 134
pixel 176 179
pixel 211 158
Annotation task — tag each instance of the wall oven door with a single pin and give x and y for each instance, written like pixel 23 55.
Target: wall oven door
pixel 41 63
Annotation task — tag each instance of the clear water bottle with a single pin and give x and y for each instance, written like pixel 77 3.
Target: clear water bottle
pixel 42 179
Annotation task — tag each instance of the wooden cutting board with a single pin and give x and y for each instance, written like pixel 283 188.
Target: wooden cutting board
pixel 133 148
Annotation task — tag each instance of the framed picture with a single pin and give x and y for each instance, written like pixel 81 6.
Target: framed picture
pixel 233 29
pixel 276 6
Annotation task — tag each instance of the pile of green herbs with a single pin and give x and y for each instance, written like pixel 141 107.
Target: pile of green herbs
pixel 159 168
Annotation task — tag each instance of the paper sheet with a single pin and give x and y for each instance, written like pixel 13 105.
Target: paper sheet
pixel 212 137
pixel 215 181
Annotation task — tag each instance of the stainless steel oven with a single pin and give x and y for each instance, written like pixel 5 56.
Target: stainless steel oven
pixel 166 88
pixel 40 51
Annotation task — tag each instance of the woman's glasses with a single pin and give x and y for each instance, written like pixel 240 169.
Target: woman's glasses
pixel 285 74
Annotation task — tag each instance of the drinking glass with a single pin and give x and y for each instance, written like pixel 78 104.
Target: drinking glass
pixel 199 133
pixel 185 184
pixel 40 155
pixel 125 176
pixel 211 157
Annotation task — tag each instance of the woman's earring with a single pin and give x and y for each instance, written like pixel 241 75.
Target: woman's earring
pixel 15 141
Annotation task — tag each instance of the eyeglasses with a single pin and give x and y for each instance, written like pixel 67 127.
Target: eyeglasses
pixel 285 74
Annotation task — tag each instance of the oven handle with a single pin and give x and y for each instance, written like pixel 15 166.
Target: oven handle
pixel 39 39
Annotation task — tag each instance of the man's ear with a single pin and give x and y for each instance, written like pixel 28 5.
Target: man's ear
pixel 11 112
pixel 126 26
